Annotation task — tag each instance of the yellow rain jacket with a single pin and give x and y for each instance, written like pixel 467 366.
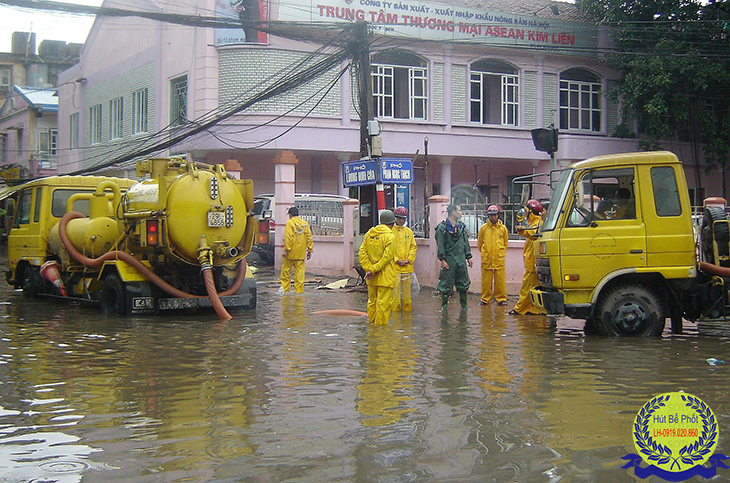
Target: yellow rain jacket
pixel 528 251
pixel 492 244
pixel 377 255
pixel 405 248
pixel 297 239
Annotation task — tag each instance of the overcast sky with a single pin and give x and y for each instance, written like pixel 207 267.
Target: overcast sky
pixel 47 26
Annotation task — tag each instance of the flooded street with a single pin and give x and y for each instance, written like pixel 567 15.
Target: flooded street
pixel 279 395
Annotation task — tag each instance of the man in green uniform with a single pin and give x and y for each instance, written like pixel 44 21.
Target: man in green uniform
pixel 455 254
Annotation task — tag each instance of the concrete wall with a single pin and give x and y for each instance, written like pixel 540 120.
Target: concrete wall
pixel 330 251
pixel 334 256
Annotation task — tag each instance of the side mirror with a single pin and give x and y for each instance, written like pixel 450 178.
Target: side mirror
pixel 267 214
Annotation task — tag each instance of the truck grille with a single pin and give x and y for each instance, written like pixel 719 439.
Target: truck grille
pixel 542 267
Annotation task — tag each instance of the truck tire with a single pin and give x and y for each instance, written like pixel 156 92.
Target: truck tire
pixel 590 327
pixel 630 310
pixel 31 282
pixel 721 237
pixel 113 296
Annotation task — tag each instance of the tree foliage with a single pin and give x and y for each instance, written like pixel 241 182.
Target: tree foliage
pixel 674 57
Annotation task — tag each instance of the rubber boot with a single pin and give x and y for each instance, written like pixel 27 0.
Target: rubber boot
pixel 444 300
pixel 462 299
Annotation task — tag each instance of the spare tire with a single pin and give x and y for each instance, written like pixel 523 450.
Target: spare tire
pixel 718 233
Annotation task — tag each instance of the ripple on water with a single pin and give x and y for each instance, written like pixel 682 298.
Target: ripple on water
pixel 44 456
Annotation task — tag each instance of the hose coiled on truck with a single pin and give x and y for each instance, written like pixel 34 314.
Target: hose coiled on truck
pixel 152 276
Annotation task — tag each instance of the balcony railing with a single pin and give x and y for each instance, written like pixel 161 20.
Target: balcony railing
pixel 44 160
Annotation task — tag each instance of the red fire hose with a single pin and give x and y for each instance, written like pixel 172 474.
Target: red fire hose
pixel 152 276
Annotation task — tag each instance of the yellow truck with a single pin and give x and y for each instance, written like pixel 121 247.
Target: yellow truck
pixel 618 248
pixel 177 239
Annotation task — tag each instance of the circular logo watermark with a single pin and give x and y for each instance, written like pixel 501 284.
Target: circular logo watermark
pixel 675 434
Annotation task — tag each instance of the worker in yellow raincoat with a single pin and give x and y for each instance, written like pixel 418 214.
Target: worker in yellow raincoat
pixel 492 243
pixel 529 279
pixel 405 255
pixel 377 257
pixel 297 245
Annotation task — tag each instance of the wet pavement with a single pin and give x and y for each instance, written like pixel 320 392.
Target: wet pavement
pixel 281 395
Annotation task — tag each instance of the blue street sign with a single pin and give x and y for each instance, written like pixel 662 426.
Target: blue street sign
pixel 396 170
pixel 359 173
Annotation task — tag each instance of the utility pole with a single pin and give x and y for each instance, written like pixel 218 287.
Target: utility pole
pixel 426 191
pixel 361 57
pixel 371 196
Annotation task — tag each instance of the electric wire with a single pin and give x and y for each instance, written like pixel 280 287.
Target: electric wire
pixel 166 137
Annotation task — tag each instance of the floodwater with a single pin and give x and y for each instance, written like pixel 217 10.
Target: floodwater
pixel 280 395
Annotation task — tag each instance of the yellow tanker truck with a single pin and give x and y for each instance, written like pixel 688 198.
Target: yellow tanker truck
pixel 175 240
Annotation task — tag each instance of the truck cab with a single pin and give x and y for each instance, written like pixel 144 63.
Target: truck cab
pixel 37 207
pixel 617 244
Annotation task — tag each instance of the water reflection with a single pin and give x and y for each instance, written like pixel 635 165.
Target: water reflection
pixel 384 390
pixel 295 322
pixel 281 395
pixel 43 456
pixel 165 389
pixel 491 361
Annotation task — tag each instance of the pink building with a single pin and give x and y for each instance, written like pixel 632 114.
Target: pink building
pixel 28 134
pixel 473 78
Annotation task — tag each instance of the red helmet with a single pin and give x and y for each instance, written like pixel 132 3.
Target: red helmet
pixel 401 212
pixel 535 206
pixel 493 210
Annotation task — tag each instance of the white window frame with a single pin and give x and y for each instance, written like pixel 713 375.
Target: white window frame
pixel 6 77
pixel 509 97
pixel 116 118
pixel 383 90
pixel 95 124
pixel 73 131
pixel 583 104
pixel 510 100
pixel 139 111
pixel 47 148
pixel 384 98
pixel 417 81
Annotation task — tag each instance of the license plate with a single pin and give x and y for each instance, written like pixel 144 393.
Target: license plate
pixel 141 303
pixel 216 219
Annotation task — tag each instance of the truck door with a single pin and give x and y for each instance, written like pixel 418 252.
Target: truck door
pixel 670 242
pixel 24 240
pixel 604 230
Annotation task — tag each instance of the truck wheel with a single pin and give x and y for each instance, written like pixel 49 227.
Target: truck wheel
pixel 113 296
pixel 31 282
pixel 590 327
pixel 721 237
pixel 630 310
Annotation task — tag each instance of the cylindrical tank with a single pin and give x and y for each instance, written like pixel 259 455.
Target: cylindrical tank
pixel 197 203
pixel 91 236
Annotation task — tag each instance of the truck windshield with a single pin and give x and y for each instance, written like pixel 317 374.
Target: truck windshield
pixel 557 200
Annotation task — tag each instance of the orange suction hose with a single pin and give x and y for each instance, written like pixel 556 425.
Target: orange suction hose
pixel 715 269
pixel 152 276
pixel 355 313
pixel 213 295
